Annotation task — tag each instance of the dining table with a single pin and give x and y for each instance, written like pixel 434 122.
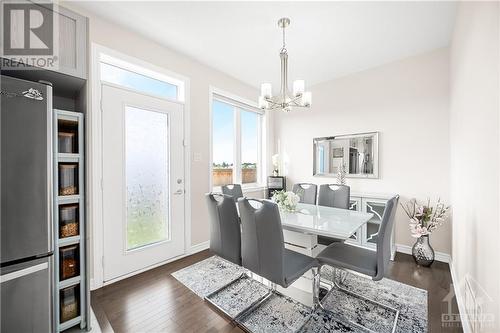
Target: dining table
pixel 301 228
pixel 323 221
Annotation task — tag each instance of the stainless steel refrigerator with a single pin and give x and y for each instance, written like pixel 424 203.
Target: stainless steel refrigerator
pixel 27 245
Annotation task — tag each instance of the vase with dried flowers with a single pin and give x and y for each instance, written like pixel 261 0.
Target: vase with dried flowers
pixel 424 220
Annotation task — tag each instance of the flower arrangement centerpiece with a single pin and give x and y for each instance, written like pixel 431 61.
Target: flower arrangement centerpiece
pixel 286 200
pixel 424 220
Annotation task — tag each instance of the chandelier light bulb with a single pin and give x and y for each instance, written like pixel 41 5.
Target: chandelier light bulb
pixel 298 87
pixel 266 90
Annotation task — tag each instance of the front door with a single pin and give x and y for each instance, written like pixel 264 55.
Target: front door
pixel 143 181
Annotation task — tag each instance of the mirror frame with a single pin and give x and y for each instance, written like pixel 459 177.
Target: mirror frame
pixel 374 175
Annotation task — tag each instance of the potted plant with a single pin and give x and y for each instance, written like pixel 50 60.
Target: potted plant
pixel 424 220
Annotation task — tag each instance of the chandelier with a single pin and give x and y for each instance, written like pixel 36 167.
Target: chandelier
pixel 284 101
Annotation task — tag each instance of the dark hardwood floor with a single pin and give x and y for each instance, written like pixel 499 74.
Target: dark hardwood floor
pixel 154 301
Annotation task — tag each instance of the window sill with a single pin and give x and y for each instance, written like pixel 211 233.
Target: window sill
pixel 245 189
pixel 254 188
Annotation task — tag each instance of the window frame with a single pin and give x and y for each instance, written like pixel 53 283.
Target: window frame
pixel 146 72
pixel 239 104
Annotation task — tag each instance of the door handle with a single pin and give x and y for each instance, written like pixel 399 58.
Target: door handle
pixel 179 192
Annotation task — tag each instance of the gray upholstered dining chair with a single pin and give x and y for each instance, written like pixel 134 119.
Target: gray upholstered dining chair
pixel 364 261
pixel 234 190
pixel 336 196
pixel 306 191
pixel 225 234
pixel 263 249
pixel 225 230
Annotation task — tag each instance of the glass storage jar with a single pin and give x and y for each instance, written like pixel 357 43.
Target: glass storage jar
pixel 68 220
pixel 67 142
pixel 67 136
pixel 69 263
pixel 69 303
pixel 68 178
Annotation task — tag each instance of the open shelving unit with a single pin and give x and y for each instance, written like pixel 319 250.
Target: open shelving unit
pixel 69 220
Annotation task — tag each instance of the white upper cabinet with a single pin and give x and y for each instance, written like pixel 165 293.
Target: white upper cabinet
pixel 65 37
pixel 72 31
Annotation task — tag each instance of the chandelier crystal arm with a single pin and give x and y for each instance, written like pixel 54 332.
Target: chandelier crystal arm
pixel 272 102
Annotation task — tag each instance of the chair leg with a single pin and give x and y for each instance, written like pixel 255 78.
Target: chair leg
pixel 207 297
pixel 316 271
pixel 237 318
pixel 337 286
pixel 242 276
pixel 243 313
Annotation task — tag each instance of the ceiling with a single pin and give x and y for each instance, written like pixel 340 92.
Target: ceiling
pixel 325 39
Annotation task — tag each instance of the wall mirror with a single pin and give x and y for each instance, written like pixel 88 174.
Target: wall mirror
pixel 358 152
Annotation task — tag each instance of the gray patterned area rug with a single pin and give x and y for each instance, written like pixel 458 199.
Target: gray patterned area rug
pixel 280 313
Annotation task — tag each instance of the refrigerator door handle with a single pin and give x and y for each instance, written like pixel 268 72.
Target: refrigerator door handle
pixel 51 123
pixel 23 272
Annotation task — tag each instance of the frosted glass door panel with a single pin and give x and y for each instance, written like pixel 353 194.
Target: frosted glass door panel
pixel 147 178
pixel 143 181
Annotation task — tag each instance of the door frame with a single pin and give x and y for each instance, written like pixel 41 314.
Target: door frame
pixel 95 160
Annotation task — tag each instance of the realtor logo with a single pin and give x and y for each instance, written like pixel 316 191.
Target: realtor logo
pixel 28 35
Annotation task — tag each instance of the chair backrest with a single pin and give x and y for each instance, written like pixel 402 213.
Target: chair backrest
pixel 262 244
pixel 333 195
pixel 225 231
pixel 233 190
pixel 306 192
pixel 384 237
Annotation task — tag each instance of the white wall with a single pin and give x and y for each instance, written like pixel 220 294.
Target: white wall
pixel 475 151
pixel 201 77
pixel 407 102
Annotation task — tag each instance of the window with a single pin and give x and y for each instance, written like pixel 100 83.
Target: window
pixel 128 79
pixel 237 138
pixel 141 79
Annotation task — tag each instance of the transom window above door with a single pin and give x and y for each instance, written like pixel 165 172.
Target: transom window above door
pixel 140 79
pixel 237 142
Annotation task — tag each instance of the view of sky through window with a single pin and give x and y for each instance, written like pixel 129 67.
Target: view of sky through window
pixel 223 134
pixel 224 139
pixel 132 80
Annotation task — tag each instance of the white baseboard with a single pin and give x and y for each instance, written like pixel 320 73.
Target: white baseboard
pixel 192 250
pixel 199 247
pixel 439 256
pixel 464 319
